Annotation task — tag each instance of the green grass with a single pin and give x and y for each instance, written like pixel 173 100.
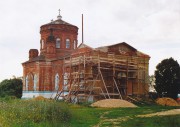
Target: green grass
pixel 21 113
pixel 85 116
pixel 122 112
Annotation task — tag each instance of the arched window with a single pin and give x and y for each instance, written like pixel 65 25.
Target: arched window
pixel 67 43
pixel 58 42
pixel 65 81
pixel 42 44
pixel 27 83
pixel 35 82
pixel 74 44
pixel 56 82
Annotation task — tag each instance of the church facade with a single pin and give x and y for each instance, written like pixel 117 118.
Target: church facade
pixel 62 65
pixel 42 70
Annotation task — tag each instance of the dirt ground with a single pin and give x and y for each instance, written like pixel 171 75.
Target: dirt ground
pixel 163 113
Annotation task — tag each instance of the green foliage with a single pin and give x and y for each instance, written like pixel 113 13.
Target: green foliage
pixel 32 113
pixel 12 87
pixel 167 76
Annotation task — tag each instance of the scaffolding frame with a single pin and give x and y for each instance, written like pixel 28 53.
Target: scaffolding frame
pixel 89 75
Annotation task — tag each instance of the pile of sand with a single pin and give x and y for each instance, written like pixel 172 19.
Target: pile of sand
pixel 40 98
pixel 112 103
pixel 167 101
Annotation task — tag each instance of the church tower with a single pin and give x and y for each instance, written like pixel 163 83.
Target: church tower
pixel 42 73
pixel 58 38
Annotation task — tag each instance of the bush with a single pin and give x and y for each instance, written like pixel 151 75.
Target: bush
pixel 31 113
pixel 12 87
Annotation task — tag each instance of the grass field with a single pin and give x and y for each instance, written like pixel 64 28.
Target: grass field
pixel 23 113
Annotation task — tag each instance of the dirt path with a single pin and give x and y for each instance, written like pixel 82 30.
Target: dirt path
pixel 163 113
pixel 105 122
pixel 116 122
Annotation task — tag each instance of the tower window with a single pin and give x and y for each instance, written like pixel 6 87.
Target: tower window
pixel 58 43
pixel 74 44
pixel 42 44
pixel 67 43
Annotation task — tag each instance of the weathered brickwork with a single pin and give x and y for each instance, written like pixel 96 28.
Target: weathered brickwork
pixel 45 70
pixel 42 72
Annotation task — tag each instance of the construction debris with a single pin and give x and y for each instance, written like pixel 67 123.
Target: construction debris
pixel 167 102
pixel 113 103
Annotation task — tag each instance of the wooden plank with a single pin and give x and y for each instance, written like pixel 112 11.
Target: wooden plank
pixel 117 88
pixel 110 94
pixel 104 84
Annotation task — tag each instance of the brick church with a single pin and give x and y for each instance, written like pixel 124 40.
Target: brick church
pixel 82 71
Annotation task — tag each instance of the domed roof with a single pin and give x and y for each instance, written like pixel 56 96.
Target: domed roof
pixel 59 21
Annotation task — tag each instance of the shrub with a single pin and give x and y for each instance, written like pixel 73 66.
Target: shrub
pixel 30 112
pixel 12 87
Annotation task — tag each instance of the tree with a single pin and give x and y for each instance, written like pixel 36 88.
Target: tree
pixel 167 77
pixel 12 87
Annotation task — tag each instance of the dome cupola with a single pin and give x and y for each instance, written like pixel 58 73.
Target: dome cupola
pixel 62 34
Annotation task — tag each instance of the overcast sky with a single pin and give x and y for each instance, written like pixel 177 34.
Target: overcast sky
pixel 150 26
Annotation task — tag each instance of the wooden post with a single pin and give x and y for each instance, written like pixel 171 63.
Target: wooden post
pixel 104 84
pixel 63 76
pixel 144 86
pixel 117 88
pixel 82 29
pixel 113 73
pixel 99 71
pixel 127 69
pixel 138 74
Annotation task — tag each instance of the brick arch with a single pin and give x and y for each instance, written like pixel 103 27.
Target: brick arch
pixel 35 81
pixel 58 42
pixel 26 83
pixel 42 44
pixel 29 81
pixel 67 43
pixel 56 81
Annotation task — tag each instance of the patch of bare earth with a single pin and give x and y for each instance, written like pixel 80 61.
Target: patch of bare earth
pixel 113 122
pixel 163 113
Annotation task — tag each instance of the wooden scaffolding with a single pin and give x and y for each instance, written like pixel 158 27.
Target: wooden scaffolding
pixel 97 75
